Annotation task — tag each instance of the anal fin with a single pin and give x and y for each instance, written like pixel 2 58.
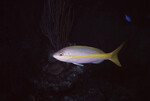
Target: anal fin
pixel 98 62
pixel 78 64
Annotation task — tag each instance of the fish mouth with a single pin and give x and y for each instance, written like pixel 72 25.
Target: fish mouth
pixel 54 55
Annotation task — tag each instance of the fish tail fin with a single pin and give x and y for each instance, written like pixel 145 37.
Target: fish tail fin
pixel 114 55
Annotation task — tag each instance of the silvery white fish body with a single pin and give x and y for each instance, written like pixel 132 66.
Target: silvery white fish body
pixel 84 54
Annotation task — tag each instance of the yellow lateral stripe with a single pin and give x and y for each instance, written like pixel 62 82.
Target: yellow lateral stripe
pixel 91 55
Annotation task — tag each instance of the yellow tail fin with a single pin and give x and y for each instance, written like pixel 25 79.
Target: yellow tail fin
pixel 114 55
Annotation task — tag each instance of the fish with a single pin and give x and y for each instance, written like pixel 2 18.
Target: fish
pixel 80 55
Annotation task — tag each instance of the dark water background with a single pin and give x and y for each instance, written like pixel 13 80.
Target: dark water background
pixel 98 23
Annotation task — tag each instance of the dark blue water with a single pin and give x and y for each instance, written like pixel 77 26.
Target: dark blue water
pixel 31 34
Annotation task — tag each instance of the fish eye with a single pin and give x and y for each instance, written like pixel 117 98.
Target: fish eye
pixel 60 54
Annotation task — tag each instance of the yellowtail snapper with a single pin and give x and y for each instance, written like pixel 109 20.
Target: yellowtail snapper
pixel 80 55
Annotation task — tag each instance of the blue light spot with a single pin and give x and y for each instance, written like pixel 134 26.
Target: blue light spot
pixel 127 18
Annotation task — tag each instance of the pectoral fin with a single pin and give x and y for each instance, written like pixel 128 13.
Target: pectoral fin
pixel 78 64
